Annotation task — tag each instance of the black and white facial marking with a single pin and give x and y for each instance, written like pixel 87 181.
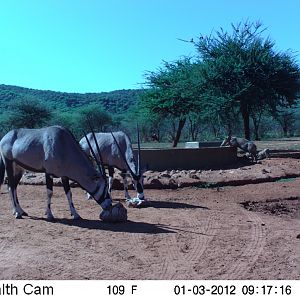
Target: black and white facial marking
pixel 231 141
pixel 225 142
pixel 102 196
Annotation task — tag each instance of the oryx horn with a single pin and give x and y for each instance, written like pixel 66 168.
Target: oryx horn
pixel 100 162
pixel 139 152
pixel 93 153
pixel 123 156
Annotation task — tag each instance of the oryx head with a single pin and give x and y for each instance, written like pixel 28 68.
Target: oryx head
pixel 226 141
pixel 101 196
pixel 137 176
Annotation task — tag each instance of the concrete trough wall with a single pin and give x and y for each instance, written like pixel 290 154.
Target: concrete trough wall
pixel 188 159
pixel 210 144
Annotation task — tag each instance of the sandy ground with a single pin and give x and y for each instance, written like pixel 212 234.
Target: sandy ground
pixel 201 231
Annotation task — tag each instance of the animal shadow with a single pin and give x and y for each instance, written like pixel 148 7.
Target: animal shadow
pixel 128 226
pixel 174 205
pixel 164 204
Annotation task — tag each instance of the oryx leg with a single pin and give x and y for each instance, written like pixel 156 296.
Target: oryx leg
pixel 125 183
pixel 14 175
pixel 49 185
pixel 66 185
pixel 140 191
pixel 111 171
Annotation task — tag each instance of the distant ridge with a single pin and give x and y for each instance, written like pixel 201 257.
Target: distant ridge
pixel 114 102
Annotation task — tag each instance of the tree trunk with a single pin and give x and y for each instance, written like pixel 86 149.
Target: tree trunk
pixel 246 121
pixel 215 129
pixel 178 132
pixel 256 123
pixel 285 129
pixel 256 118
pixel 256 133
pixel 193 130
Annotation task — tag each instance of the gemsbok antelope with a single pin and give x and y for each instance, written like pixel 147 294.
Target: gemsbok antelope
pixel 54 151
pixel 116 151
pixel 243 144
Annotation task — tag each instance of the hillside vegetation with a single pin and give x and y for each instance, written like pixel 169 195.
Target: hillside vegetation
pixel 31 108
pixel 114 102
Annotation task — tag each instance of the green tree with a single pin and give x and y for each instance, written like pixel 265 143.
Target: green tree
pixel 93 115
pixel 28 113
pixel 244 71
pixel 4 124
pixel 65 119
pixel 173 92
pixel 286 119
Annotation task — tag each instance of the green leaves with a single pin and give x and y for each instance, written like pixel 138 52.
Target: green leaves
pixel 95 115
pixel 28 113
pixel 173 89
pixel 243 69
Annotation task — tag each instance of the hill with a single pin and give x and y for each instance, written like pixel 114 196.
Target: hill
pixel 114 102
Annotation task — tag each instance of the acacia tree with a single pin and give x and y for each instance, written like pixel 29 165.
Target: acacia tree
pixel 244 69
pixel 28 113
pixel 286 119
pixel 196 122
pixel 172 92
pixel 93 115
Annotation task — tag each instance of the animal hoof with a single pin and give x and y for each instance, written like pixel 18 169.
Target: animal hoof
pixel 50 218
pixel 24 214
pixel 18 216
pixel 75 218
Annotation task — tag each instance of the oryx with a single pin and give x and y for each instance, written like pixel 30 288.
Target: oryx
pixel 116 151
pixel 243 144
pixel 54 151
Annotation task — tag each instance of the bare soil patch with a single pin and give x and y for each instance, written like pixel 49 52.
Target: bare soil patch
pixel 280 207
pixel 224 231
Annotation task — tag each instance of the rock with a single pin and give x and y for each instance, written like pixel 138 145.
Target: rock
pixel 155 183
pixel 165 175
pixel 193 171
pixel 173 183
pixel 194 176
pixel 176 175
pixel 117 213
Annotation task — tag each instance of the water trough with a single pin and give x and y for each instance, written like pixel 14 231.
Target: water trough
pixel 188 158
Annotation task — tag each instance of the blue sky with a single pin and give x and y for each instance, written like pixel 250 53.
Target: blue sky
pixel 104 45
